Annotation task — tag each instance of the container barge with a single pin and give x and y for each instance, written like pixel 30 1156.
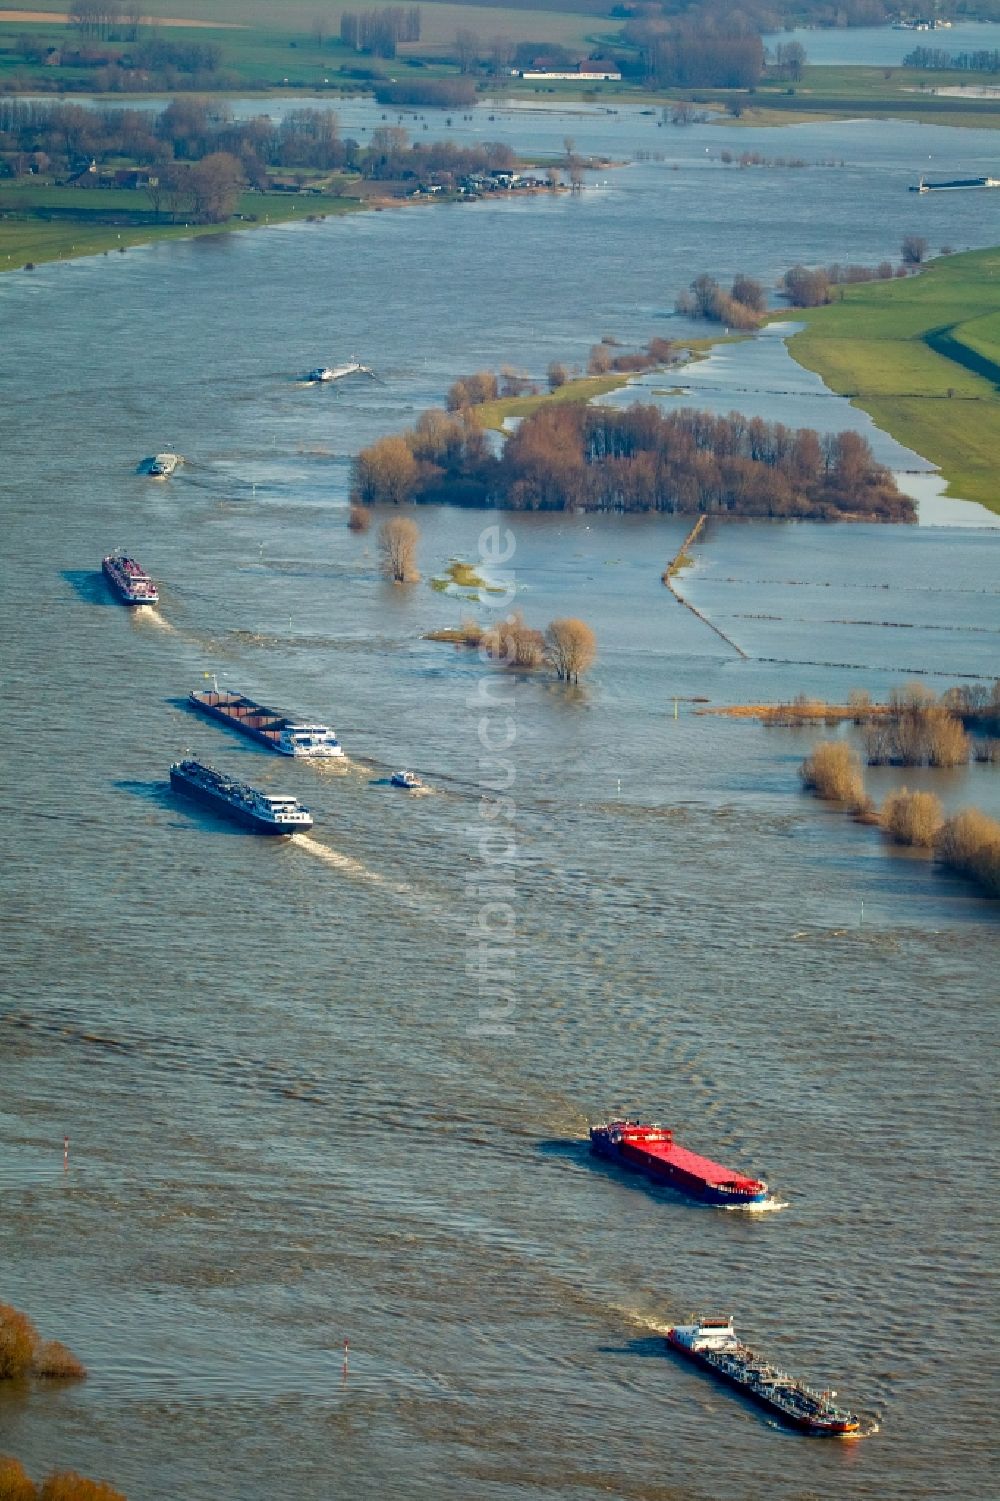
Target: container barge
pixel 264 812
pixel 713 1345
pixel 273 728
pixel 651 1149
pixel 956 184
pixel 129 580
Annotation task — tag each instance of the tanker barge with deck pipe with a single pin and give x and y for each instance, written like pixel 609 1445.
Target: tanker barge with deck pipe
pixel 713 1344
pixel 263 812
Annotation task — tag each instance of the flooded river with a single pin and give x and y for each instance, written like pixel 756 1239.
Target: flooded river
pixel 334 1088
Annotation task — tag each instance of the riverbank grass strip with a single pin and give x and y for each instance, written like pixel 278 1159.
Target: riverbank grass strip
pixel 922 357
pixel 40 222
pixel 494 414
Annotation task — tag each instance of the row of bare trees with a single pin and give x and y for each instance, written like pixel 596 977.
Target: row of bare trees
pixel 191 128
pixel 107 19
pixel 968 842
pixel 812 286
pixel 742 307
pixel 578 458
pixel 568 646
pixel 677 54
pixel 484 385
pixel 573 457
pixel 380 31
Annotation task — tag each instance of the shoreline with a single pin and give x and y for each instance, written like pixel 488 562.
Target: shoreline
pixel 920 357
pixel 81 241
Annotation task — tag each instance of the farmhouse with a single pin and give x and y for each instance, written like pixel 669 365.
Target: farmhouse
pixel 590 70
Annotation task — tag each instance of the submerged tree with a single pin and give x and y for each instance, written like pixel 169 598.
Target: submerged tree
pixel 385 471
pixel 397 546
pixel 571 647
pixel 914 249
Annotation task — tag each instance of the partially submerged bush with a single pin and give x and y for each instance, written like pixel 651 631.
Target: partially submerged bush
pixel 17 1343
pixel 22 1353
pixel 55 1362
pixel 912 817
pixel 15 1483
pixel 67 1485
pixel 970 844
pixel 471 632
pixel 62 1485
pixel 833 771
pixel 359 518
pixel 513 643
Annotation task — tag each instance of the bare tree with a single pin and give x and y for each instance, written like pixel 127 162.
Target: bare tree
pixel 385 471
pixel 914 249
pixel 214 183
pixel 501 55
pixel 397 546
pixel 466 50
pixel 571 647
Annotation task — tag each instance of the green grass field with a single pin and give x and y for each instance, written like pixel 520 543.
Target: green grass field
pixel 276 44
pixel 495 413
pixel 43 223
pixel 922 357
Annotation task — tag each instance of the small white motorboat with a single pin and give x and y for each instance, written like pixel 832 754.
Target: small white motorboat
pixel 405 779
pixel 163 464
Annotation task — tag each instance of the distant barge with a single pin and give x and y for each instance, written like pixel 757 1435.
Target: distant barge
pixel 264 812
pixel 653 1151
pixel 956 184
pixel 278 731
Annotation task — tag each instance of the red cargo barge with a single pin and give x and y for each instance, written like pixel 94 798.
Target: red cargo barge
pixel 651 1149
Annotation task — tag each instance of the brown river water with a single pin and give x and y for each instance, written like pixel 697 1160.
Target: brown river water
pixel 336 1088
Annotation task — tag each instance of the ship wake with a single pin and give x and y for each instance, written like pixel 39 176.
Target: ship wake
pixel 347 864
pixel 150 615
